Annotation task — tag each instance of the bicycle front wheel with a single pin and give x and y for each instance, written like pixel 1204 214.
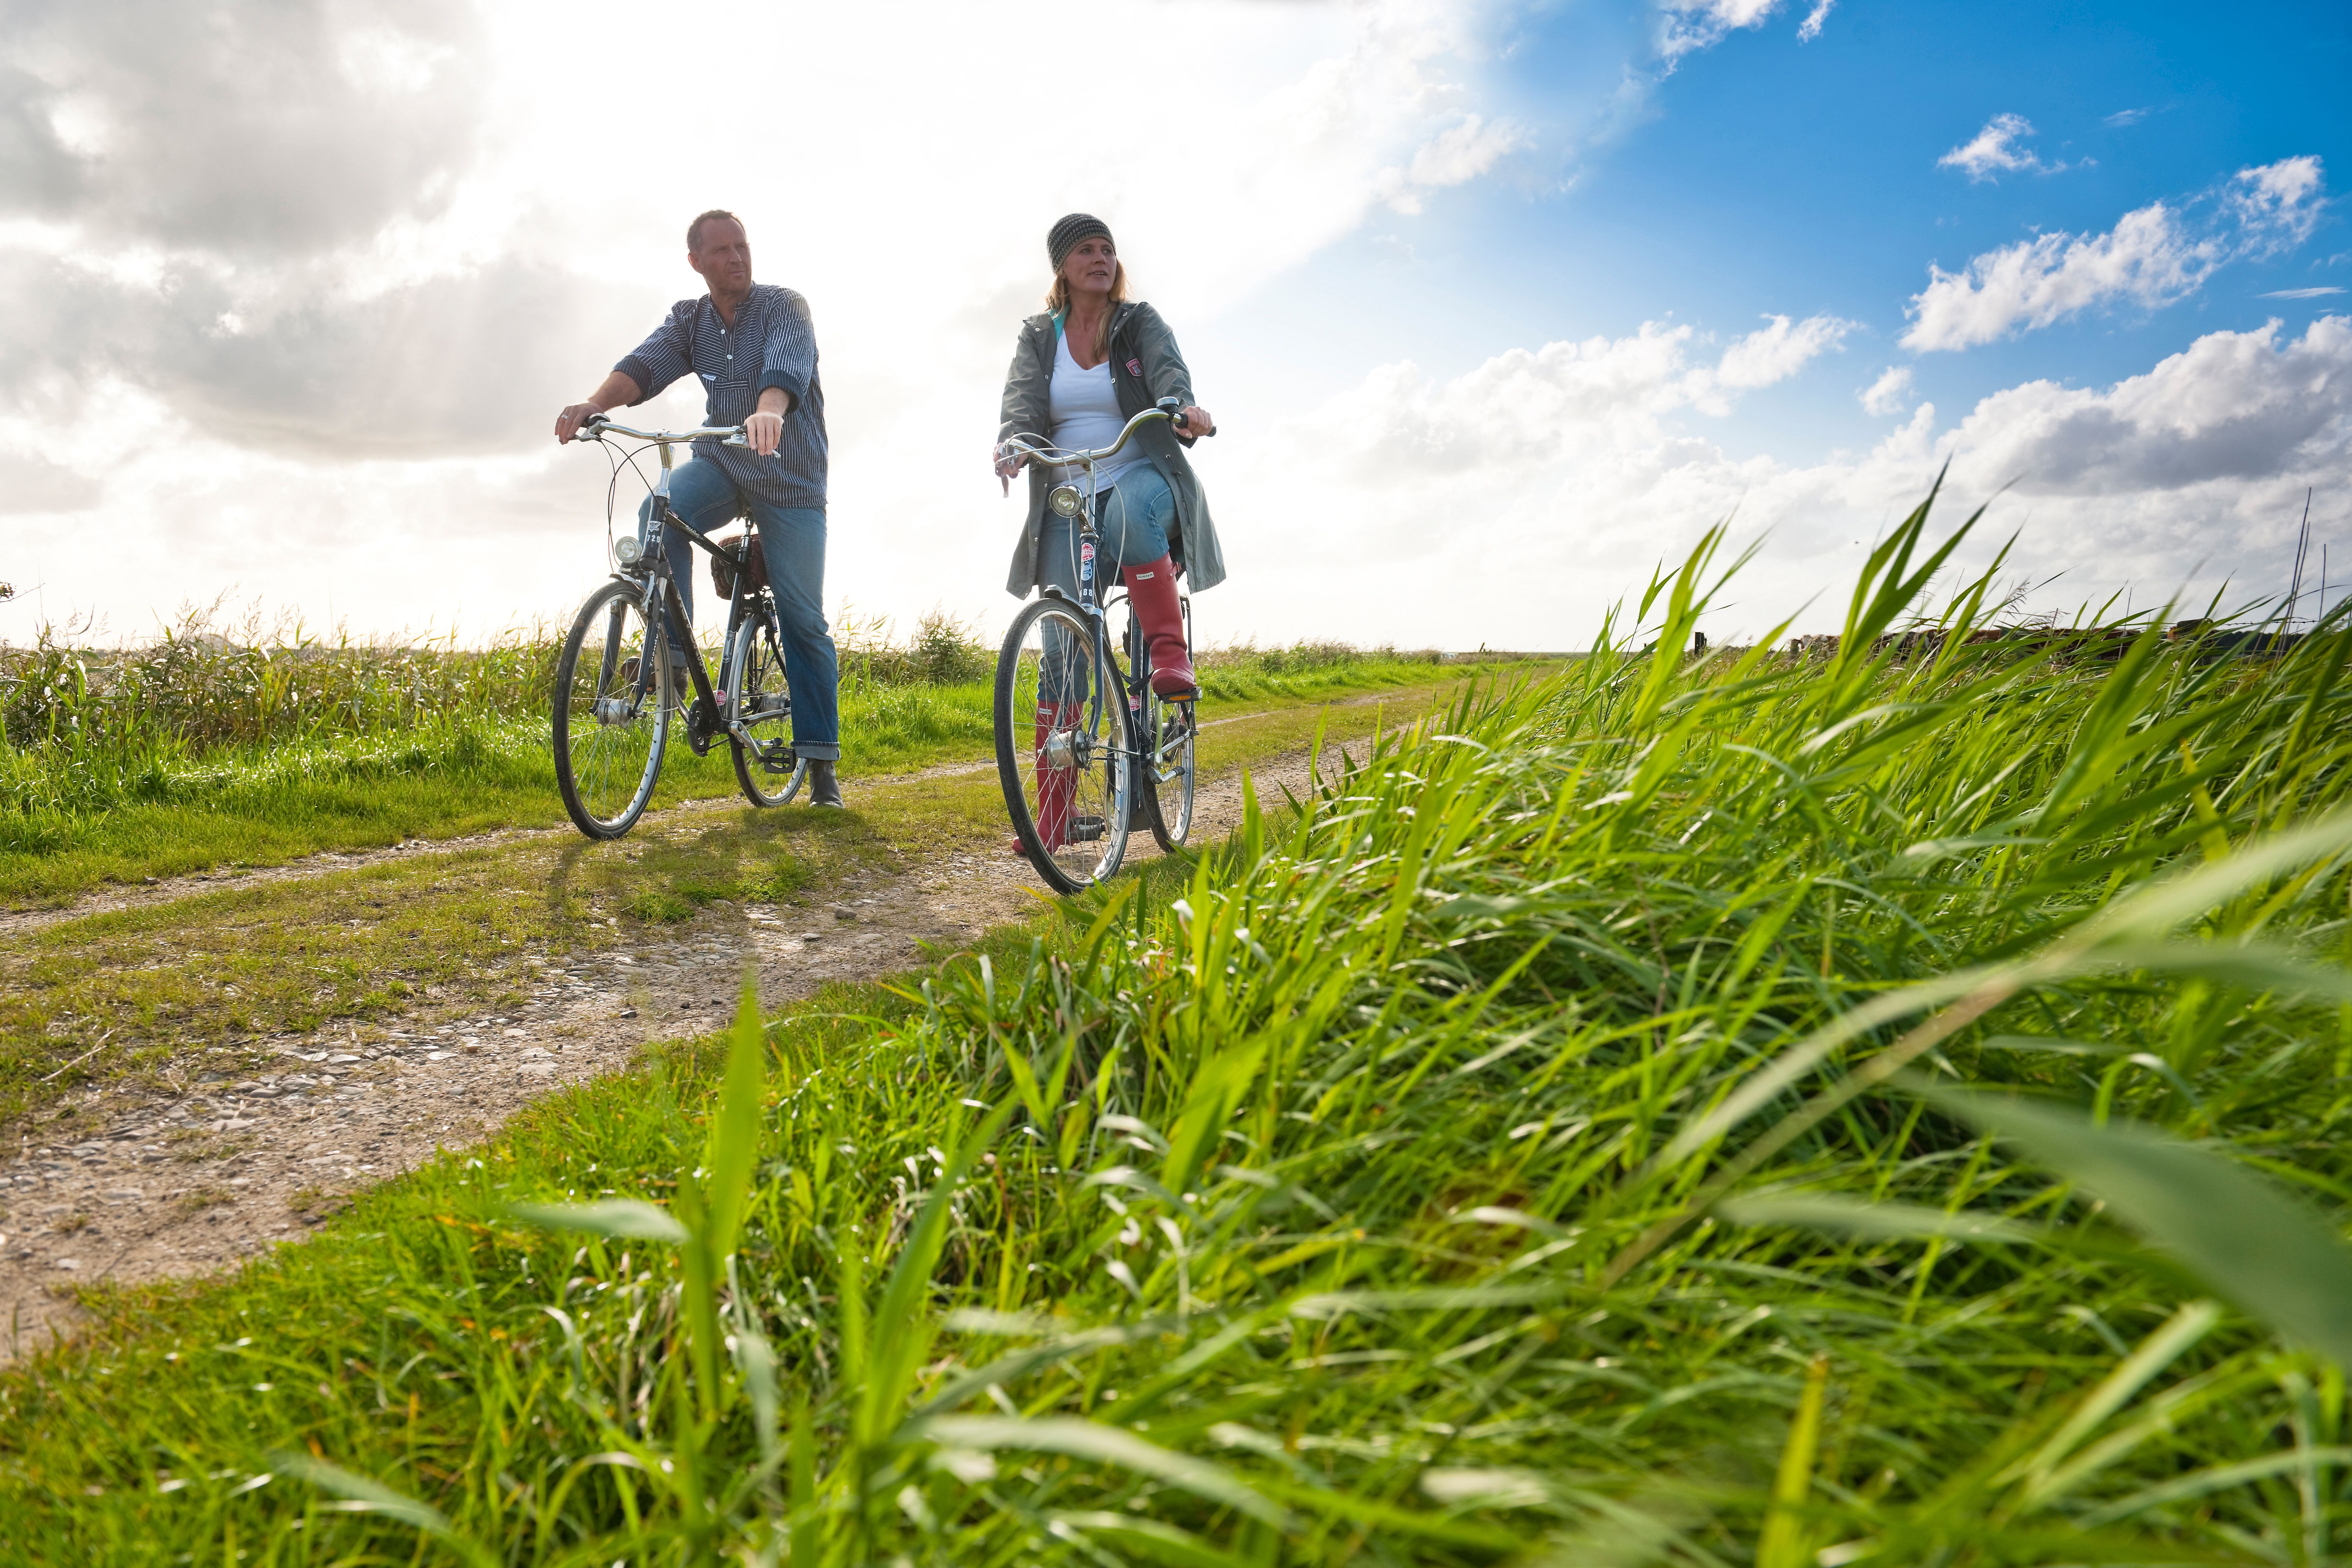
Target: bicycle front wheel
pixel 1062 747
pixel 610 723
pixel 759 699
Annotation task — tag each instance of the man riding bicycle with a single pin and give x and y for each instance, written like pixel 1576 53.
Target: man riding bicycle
pixel 753 347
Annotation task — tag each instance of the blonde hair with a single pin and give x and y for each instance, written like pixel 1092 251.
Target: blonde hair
pixel 1057 300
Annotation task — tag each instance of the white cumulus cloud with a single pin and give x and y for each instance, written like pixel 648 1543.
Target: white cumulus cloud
pixel 1510 504
pixel 1686 27
pixel 1780 351
pixel 2152 258
pixel 1455 156
pixel 1889 392
pixel 2276 205
pixel 1995 150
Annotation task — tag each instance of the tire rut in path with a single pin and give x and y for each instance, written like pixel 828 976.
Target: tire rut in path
pixel 234 1168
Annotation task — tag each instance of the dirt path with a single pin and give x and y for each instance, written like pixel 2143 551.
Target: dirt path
pixel 167 890
pixel 237 1165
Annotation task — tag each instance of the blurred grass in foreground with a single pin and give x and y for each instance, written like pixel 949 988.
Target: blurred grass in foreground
pixel 1741 1111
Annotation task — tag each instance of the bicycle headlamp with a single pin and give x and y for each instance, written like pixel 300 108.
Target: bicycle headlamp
pixel 1064 501
pixel 627 550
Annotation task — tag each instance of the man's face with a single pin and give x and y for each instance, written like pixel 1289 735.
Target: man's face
pixel 724 257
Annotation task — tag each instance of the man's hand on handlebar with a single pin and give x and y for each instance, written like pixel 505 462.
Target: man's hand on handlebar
pixel 618 388
pixel 568 422
pixel 765 427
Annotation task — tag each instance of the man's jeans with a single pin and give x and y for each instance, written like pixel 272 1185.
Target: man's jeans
pixel 792 537
pixel 1132 520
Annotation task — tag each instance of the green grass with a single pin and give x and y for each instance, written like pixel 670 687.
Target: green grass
pixel 129 999
pixel 1729 1111
pixel 123 797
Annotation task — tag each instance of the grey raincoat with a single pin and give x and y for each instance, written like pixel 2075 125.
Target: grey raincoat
pixel 1145 367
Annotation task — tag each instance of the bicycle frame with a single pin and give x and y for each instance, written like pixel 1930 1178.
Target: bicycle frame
pixel 1082 510
pixel 652 571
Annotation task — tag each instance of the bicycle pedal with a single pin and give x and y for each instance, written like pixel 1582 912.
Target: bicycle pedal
pixel 1084 829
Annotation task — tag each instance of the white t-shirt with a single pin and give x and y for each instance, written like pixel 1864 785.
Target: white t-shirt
pixel 1084 410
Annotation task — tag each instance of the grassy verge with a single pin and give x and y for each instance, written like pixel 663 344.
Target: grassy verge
pixel 1840 1111
pixel 141 997
pixel 126 815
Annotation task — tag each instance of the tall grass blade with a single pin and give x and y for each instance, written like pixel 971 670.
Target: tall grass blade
pixel 361 1495
pixel 2253 1243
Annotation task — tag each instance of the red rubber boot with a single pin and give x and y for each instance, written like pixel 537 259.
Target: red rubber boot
pixel 1055 787
pixel 1151 591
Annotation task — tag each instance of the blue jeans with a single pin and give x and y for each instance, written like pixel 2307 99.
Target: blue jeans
pixel 791 539
pixel 1132 531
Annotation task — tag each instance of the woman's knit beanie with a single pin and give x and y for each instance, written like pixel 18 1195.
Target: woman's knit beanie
pixel 1067 234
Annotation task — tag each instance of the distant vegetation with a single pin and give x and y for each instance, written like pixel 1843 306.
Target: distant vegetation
pixel 275 725
pixel 1741 1110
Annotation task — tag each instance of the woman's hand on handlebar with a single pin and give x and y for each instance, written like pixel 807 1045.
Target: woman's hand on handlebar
pixel 1008 463
pixel 1194 421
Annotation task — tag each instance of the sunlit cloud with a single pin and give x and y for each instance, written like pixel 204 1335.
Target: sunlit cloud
pixel 2154 257
pixel 1997 150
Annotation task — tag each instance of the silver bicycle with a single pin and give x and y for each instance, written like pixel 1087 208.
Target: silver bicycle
pixel 631 664
pixel 1082 742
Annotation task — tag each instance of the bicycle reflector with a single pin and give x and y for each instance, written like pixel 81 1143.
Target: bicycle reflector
pixel 1064 501
pixel 627 550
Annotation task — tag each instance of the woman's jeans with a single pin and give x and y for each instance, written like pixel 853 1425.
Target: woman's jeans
pixel 792 537
pixel 1135 516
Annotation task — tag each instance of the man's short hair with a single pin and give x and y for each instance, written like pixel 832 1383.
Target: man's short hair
pixel 693 230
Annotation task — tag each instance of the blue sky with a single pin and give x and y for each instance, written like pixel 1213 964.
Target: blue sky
pixel 1499 304
pixel 1765 174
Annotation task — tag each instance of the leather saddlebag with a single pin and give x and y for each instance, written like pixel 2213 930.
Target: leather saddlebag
pixel 740 556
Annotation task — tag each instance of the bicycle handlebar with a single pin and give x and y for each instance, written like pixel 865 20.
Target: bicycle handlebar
pixel 1049 453
pixel 595 428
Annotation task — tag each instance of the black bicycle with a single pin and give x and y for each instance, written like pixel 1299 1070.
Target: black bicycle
pixel 1082 743
pixel 631 663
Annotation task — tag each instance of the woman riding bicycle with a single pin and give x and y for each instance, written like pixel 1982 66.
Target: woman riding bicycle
pixel 1091 362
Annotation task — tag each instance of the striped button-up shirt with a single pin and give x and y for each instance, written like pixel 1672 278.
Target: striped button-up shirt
pixel 771 342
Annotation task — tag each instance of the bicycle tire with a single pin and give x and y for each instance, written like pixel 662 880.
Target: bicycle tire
pixel 755 664
pixel 1154 753
pixel 1095 743
pixel 625 728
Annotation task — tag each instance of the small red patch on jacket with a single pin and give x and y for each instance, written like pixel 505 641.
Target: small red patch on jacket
pixel 1135 367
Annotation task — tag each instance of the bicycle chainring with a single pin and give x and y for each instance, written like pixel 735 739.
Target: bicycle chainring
pixel 701 724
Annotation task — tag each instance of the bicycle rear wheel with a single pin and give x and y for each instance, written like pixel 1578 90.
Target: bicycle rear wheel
pixel 1164 753
pixel 770 774
pixel 1062 748
pixel 610 723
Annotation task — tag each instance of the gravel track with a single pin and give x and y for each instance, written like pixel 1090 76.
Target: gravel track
pixel 241 1164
